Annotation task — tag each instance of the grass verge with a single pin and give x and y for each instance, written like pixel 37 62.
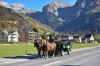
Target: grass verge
pixel 16 50
pixel 83 45
pixel 7 50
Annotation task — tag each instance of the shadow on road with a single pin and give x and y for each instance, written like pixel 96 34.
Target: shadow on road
pixel 28 56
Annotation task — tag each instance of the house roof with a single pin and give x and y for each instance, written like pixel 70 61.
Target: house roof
pixel 75 36
pixel 28 28
pixel 6 32
pixel 78 36
pixel 88 35
pixel 66 35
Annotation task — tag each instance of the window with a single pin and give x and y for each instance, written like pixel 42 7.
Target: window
pixel 3 34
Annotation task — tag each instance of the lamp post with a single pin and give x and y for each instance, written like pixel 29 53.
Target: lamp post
pixel 26 45
pixel 26 49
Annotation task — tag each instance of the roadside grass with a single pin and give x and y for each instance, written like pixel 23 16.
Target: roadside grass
pixel 83 45
pixel 18 49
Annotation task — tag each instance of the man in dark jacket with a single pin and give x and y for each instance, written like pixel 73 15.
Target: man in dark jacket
pixel 51 38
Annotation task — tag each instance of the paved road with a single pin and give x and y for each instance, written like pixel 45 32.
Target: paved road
pixel 90 57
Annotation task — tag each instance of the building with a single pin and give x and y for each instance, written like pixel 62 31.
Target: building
pixel 77 39
pixel 66 37
pixel 9 36
pixel 29 33
pixel 88 38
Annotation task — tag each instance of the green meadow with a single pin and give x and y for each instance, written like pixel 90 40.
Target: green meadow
pixel 16 49
pixel 83 45
pixel 7 50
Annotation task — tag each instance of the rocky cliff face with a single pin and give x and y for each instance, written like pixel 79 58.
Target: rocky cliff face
pixel 80 7
pixel 50 14
pixel 84 6
pixel 53 7
pixel 85 17
pixel 85 23
pixel 87 3
pixel 61 16
pixel 19 8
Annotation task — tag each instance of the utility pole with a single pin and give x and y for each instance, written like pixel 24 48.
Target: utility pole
pixel 11 39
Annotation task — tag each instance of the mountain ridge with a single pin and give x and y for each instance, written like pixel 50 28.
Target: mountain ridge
pixel 60 17
pixel 8 17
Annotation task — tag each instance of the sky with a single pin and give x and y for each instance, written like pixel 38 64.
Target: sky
pixel 36 4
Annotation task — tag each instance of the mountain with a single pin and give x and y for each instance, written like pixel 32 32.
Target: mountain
pixel 80 7
pixel 49 14
pixel 84 19
pixel 7 14
pixel 19 8
pixel 10 20
pixel 2 3
pixel 84 16
pixel 84 24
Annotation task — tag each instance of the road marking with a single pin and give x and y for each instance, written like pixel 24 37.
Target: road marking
pixel 71 58
pixel 86 59
pixel 9 61
pixel 91 52
pixel 86 54
pixel 79 56
pixel 51 63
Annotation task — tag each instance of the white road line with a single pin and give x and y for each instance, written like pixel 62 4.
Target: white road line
pixel 91 52
pixel 86 54
pixel 79 56
pixel 71 58
pixel 51 63
pixel 86 59
pixel 13 61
